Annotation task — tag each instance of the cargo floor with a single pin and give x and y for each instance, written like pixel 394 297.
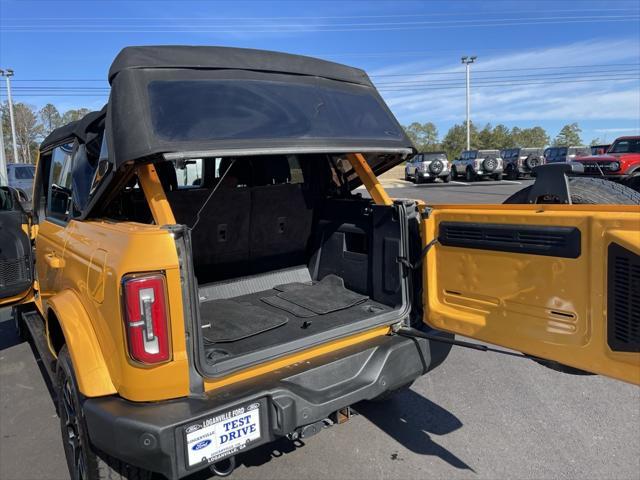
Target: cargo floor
pixel 285 313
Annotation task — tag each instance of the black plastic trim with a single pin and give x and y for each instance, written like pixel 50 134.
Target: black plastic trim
pixel 563 242
pixel 623 299
pixel 151 435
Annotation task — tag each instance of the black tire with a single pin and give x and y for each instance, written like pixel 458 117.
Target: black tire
pixel 532 162
pixel 454 172
pixel 497 177
pixel 389 394
pixel 489 164
pixel 469 175
pixel 436 167
pixel 417 179
pixel 446 178
pixel 586 190
pixel 83 461
pixel 633 182
pixel 511 173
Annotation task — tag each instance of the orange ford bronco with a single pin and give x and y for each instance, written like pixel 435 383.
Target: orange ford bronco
pixel 200 278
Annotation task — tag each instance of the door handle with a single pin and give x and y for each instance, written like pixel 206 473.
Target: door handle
pixel 53 260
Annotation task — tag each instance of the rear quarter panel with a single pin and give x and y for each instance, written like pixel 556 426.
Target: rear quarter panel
pixel 97 256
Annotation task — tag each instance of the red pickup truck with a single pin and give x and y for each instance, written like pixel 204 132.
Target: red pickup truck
pixel 620 163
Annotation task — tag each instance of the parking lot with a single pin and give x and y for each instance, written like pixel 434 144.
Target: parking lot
pixel 479 415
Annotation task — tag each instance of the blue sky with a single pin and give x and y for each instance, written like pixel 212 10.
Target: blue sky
pixel 539 62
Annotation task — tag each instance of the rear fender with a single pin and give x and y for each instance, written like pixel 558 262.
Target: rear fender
pixel 90 368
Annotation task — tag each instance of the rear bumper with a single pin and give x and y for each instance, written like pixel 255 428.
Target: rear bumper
pixel 151 435
pixel 443 173
pixel 482 173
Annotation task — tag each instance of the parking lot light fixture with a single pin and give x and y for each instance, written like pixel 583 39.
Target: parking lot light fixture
pixel 7 74
pixel 468 61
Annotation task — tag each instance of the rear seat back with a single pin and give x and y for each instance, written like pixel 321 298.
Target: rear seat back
pixel 222 235
pixel 245 230
pixel 281 220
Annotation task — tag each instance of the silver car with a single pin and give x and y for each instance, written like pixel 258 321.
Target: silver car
pixel 20 177
pixel 427 167
pixel 474 164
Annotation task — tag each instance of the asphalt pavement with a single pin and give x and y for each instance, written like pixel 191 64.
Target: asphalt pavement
pixel 477 416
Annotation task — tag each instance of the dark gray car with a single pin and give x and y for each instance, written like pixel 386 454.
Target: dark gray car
pixel 519 162
pixel 565 154
pixel 20 176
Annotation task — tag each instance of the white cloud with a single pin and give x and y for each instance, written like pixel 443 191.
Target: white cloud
pixel 546 101
pixel 616 130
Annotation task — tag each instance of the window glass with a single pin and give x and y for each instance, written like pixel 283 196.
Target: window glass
pixel 200 110
pixel 24 173
pixel 295 170
pixel 6 200
pixel 60 181
pixel 103 165
pixel 626 146
pixel 189 173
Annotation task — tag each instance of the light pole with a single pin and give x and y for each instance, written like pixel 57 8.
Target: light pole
pixel 468 61
pixel 4 180
pixel 7 74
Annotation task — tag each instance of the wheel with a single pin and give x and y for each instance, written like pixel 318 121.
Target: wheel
pixel 446 178
pixel 511 173
pixel 83 461
pixel 586 190
pixel 418 179
pixel 532 162
pixel 497 177
pixel 454 173
pixel 469 175
pixel 633 181
pixel 389 394
pixel 406 176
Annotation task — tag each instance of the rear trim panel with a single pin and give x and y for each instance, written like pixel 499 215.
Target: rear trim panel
pixel 533 239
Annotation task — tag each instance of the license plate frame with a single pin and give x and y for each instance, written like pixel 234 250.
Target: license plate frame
pixel 209 437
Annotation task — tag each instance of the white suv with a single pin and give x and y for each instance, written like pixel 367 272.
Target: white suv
pixel 474 164
pixel 427 167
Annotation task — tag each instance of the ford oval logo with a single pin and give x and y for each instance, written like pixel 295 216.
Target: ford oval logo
pixel 201 445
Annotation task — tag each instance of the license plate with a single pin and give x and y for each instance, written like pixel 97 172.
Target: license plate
pixel 222 435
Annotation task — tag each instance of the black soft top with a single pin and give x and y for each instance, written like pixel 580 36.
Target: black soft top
pixel 201 101
pixel 80 129
pixel 212 58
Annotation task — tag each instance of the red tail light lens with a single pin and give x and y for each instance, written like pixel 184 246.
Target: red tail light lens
pixel 146 318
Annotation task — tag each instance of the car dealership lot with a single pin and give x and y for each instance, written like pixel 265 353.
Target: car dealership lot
pixel 478 415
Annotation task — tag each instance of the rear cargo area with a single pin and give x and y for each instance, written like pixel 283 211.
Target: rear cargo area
pixel 284 260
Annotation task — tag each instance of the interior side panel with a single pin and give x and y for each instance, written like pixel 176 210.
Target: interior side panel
pixel 15 255
pixel 535 280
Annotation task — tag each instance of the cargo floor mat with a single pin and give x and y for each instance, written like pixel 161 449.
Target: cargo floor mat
pixel 287 306
pixel 326 296
pixel 229 321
